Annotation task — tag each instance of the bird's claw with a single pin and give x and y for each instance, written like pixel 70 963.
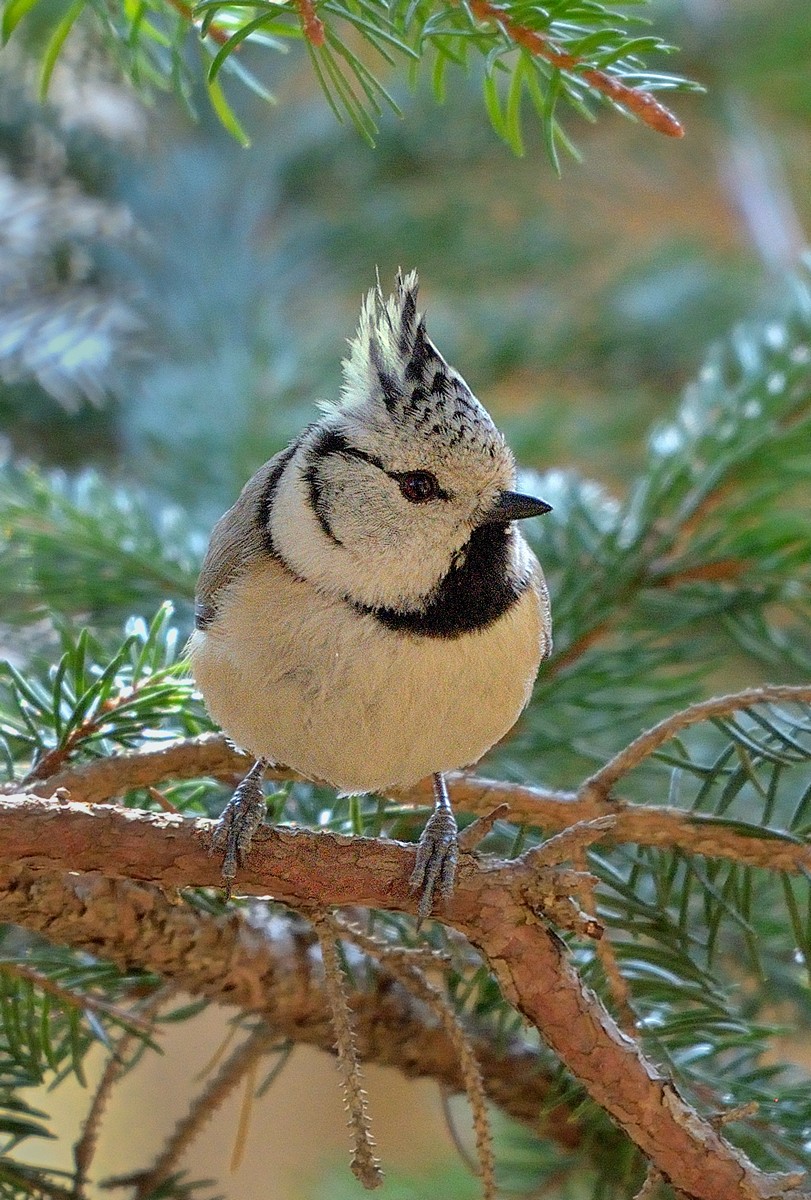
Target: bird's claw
pixel 435 869
pixel 239 821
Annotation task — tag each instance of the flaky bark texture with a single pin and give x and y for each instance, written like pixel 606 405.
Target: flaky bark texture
pixel 267 965
pixel 501 907
pixel 645 825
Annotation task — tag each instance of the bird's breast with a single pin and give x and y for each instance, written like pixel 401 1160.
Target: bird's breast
pixel 306 680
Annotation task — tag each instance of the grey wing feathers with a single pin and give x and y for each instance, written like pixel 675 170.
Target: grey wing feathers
pixel 236 539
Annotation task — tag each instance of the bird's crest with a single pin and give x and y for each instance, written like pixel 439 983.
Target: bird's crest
pixel 394 364
pixel 391 352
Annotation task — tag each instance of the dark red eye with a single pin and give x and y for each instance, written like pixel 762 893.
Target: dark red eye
pixel 418 486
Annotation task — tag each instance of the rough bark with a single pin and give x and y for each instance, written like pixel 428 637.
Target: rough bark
pixel 499 906
pixel 643 824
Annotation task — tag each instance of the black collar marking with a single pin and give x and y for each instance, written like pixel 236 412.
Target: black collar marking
pixel 265 506
pixel 206 611
pixel 472 595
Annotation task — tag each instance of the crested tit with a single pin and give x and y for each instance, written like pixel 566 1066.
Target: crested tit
pixel 368 613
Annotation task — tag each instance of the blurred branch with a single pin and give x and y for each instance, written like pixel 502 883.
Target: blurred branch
pixel 118 1063
pixel 80 1001
pixel 188 1128
pixel 243 958
pixel 753 175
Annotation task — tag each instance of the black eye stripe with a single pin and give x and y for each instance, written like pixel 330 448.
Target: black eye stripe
pixel 333 442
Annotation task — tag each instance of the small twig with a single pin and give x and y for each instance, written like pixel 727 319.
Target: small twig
pixel 202 1109
pixel 650 1186
pixel 600 784
pixel 453 1132
pixel 163 802
pixel 571 845
pixel 364 1164
pixel 578 647
pixel 218 1055
pixel 56 758
pixel 720 570
pixel 477 830
pixel 311 23
pixel 566 845
pixel 244 1122
pixel 85 1148
pixel 73 999
pixel 642 104
pixel 18 1181
pixel 739 1113
pixel 98 781
pixel 421 958
pixel 617 983
pixel 395 960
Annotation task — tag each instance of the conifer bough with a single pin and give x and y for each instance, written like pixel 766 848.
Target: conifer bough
pixel 358 50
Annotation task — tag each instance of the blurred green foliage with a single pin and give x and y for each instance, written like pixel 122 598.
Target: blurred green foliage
pixel 172 307
pixel 236 277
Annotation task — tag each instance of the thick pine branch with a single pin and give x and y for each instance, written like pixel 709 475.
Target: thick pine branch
pixel 643 824
pixel 610 818
pixel 244 959
pixel 496 905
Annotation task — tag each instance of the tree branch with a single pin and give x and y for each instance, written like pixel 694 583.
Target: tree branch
pixel 264 964
pixel 645 825
pixel 641 103
pixel 601 783
pixel 497 906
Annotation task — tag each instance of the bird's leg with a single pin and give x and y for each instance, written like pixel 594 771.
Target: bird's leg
pixel 240 819
pixel 437 853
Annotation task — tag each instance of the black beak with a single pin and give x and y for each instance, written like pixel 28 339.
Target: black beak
pixel 512 506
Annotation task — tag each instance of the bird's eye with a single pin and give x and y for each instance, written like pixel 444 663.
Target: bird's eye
pixel 419 486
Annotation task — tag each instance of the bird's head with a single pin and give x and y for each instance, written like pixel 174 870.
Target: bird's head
pixel 384 493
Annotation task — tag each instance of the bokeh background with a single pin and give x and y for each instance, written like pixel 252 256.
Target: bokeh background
pixel 172 305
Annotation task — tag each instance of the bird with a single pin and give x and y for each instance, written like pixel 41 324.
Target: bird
pixel 368 612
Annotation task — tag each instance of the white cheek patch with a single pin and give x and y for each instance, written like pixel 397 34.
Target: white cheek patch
pixel 374 555
pixel 292 520
pixel 376 517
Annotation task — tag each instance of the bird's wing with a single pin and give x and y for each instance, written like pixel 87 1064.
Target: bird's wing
pixel 238 538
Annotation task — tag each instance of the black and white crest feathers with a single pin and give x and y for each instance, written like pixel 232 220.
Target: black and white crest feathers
pixel 394 364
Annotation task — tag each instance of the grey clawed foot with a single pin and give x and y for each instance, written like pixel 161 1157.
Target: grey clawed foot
pixel 240 819
pixel 437 854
